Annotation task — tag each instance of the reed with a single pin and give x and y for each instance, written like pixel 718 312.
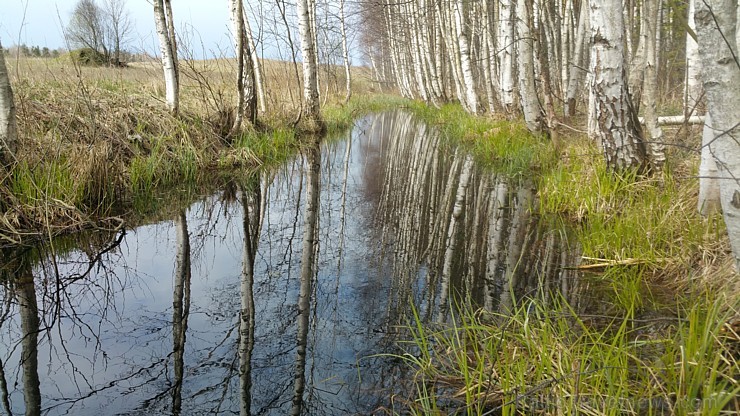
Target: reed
pixel 552 360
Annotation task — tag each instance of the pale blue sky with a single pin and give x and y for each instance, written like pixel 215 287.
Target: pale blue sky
pixel 44 21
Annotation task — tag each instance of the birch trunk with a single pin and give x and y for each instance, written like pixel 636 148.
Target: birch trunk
pixel 168 49
pixel 245 80
pixel 429 46
pixel 304 9
pixel 506 53
pixel 612 119
pixel 527 91
pixel 413 36
pixel 237 26
pixel 709 195
pixel 575 75
pixel 489 51
pixel 716 28
pixel 639 60
pixel 446 22
pixel 8 127
pixel 259 84
pixel 345 53
pixel 311 218
pixel 471 98
pixel 651 25
pixel 693 86
pixel 566 43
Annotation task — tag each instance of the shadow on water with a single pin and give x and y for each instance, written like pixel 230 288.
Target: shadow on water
pixel 279 293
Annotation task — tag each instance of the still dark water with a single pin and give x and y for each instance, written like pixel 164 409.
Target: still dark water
pixel 279 293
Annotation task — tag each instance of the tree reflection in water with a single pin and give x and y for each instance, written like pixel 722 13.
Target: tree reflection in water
pixel 215 310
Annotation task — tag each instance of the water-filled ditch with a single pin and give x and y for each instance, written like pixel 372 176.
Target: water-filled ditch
pixel 281 292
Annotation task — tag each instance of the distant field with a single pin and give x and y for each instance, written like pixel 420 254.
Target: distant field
pixel 207 86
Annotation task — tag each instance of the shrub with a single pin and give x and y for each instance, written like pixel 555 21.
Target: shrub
pixel 88 57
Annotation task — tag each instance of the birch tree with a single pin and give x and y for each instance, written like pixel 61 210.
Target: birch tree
pixel 345 53
pixel 471 97
pixel 8 128
pixel 575 75
pixel 612 118
pixel 709 195
pixel 650 27
pixel 306 23
pixel 692 88
pixel 246 102
pixel 168 48
pixel 530 103
pixel 506 55
pixel 257 66
pixel 716 29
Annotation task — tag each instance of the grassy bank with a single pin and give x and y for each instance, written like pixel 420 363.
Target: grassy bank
pixel 664 339
pixel 504 145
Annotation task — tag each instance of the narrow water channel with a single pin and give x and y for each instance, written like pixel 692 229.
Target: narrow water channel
pixel 280 293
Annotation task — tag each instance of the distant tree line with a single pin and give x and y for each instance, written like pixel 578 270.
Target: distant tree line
pixel 33 51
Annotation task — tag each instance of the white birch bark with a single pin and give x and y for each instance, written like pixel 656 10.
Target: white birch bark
pixel 525 55
pixel 429 44
pixel 446 22
pixel 656 147
pixel 310 66
pixel 237 26
pixel 693 88
pixel 471 97
pixel 413 36
pixel 257 67
pixel 8 127
pixel 489 52
pixel 639 60
pixel 439 62
pixel 506 53
pixel 488 74
pixel 709 196
pixel 168 49
pixel 716 28
pixel 575 75
pixel 566 43
pixel 315 34
pixel 612 119
pixel 345 53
